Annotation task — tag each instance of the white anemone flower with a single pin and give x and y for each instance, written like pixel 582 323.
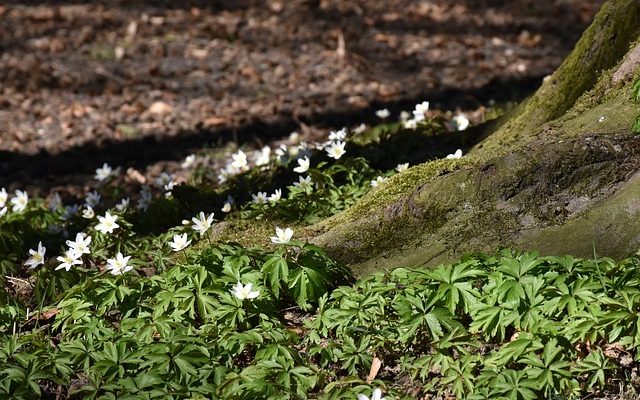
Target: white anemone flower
pixel 93 199
pixel 68 260
pixel 243 292
pixel 276 196
pixel 383 114
pixel 378 181
pixel 226 208
pixel 410 123
pixel 259 198
pixel 338 135
pixel 103 173
pixel 88 213
pixel 402 167
pixel 456 155
pixel 202 223
pixel 189 161
pixel 261 157
pixel 123 205
pixel 336 150
pixel 239 160
pixel 36 256
pixel 420 112
pixel 377 395
pixel 303 165
pixel 19 202
pixel 283 236
pixel 360 128
pixel 303 182
pixel 3 197
pixel 80 246
pixel 119 265
pixel 3 211
pixel 460 122
pixel 179 242
pixel 107 224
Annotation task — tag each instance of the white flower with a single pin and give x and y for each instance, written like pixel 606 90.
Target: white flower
pixel 282 235
pixel 189 161
pixel 378 181
pixel 410 123
pixel 37 256
pixel 419 113
pixel 275 196
pixel 244 292
pixel 282 150
pixel 3 211
pixel 404 116
pixel 456 155
pixel 303 182
pixel 164 180
pixel 226 208
pixel 107 224
pixel 338 135
pixel 460 122
pixel 81 245
pixel 239 160
pixel 261 157
pixel 601 119
pixel 20 201
pixel 3 197
pixel 360 128
pixel 179 242
pixel 202 223
pixel 88 213
pixel 377 395
pixel 55 202
pixel 259 198
pixel 303 165
pixel 145 198
pixel 103 173
pixel 124 203
pixel 93 199
pixel 336 149
pixel 402 167
pixel 383 114
pixel 118 265
pixel 68 260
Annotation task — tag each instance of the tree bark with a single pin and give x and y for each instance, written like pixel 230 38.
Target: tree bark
pixel 561 175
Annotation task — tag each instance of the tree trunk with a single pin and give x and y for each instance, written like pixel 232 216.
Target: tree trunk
pixel 562 175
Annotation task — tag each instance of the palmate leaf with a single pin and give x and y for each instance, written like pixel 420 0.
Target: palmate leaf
pixel 597 366
pixel 525 343
pixel 550 370
pixel 455 285
pixel 493 321
pixel 276 272
pixel 460 376
pixel 514 385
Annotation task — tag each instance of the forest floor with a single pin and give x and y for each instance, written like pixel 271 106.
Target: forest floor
pixel 144 85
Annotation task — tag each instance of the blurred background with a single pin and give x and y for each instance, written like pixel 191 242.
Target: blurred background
pixel 137 83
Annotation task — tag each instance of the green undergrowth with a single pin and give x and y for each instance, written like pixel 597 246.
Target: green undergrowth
pixel 503 326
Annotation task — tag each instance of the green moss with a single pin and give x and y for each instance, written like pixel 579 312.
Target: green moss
pixel 600 48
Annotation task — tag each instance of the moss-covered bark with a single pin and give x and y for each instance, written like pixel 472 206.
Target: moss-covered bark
pixel 561 176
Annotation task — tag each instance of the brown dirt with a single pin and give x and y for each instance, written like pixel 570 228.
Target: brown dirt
pixel 143 83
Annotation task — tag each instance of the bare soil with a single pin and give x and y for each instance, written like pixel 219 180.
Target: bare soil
pixel 137 83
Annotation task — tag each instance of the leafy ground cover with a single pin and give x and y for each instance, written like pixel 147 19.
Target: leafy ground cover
pixel 121 298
